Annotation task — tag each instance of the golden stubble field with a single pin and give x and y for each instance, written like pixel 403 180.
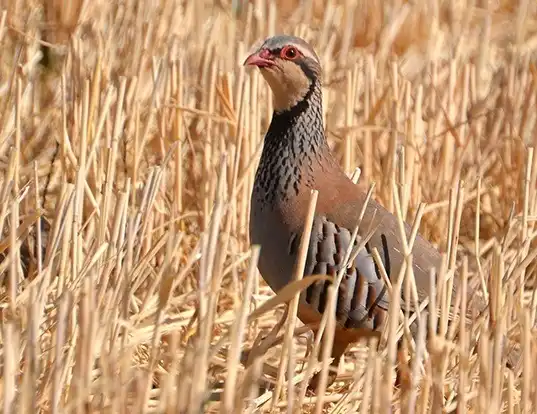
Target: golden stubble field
pixel 129 136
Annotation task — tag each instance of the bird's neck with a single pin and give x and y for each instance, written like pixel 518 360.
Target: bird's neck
pixel 294 150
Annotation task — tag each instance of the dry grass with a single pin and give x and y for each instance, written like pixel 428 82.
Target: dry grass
pixel 128 141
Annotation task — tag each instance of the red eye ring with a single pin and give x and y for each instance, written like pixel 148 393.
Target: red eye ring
pixel 289 53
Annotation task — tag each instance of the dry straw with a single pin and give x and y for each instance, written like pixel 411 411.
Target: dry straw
pixel 129 135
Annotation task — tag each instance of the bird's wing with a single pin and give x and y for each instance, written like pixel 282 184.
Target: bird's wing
pixel 362 298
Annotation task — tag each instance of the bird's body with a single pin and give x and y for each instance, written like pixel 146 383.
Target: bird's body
pixel 295 159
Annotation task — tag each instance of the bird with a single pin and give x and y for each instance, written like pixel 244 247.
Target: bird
pixel 296 159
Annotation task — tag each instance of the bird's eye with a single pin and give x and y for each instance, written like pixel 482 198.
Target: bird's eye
pixel 289 52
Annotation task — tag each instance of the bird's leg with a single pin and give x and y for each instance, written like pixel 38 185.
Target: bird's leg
pixel 338 349
pixel 402 371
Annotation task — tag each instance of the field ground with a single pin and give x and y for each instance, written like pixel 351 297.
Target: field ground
pixel 129 135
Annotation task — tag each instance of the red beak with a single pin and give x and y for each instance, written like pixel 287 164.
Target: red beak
pixel 262 58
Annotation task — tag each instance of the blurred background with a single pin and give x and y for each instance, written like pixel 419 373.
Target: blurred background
pixel 129 137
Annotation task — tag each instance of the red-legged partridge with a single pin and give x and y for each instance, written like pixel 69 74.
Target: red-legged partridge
pixel 295 159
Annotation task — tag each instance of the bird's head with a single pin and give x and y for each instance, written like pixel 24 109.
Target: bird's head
pixel 290 66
